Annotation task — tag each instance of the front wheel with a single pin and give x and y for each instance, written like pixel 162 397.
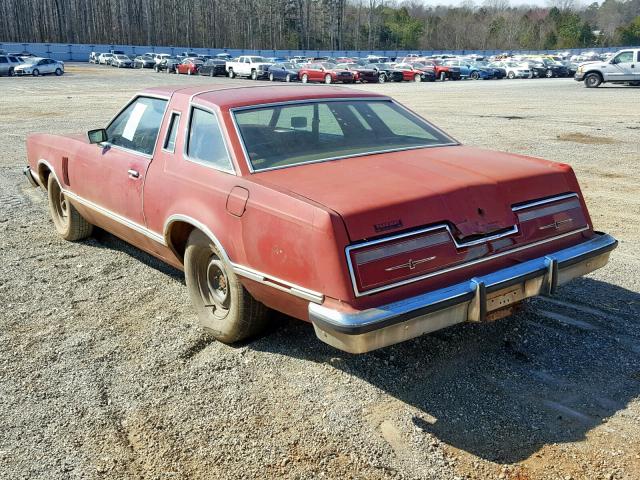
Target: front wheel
pixel 474 75
pixel 382 78
pixel 592 80
pixel 254 75
pixel 231 74
pixel 511 75
pixel 271 77
pixel 443 76
pixel 305 78
pixel 58 72
pixel 416 78
pixel 287 78
pixel 327 79
pixel 36 72
pixel 224 307
pixel 69 224
pixel 11 72
pixel 549 73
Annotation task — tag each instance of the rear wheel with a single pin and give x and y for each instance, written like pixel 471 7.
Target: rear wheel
pixel 69 224
pixel 58 72
pixel 549 73
pixel 416 78
pixel 36 72
pixel 271 77
pixel 231 73
pixel 305 78
pixel 474 75
pixel 592 80
pixel 224 307
pixel 382 78
pixel 287 78
pixel 327 78
pixel 11 72
pixel 511 75
pixel 443 76
pixel 254 74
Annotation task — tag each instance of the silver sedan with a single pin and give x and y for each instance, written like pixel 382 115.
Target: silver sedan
pixel 39 66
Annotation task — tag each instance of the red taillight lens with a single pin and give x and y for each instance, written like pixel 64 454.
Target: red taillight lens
pixel 393 260
pixel 550 219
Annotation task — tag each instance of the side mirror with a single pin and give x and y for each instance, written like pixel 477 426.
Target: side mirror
pixel 298 122
pixel 99 135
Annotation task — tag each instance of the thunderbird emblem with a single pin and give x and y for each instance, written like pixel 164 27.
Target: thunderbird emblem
pixel 556 225
pixel 411 264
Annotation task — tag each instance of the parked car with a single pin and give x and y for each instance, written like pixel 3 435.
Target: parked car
pixel 325 72
pixel 8 64
pixel 471 70
pixel 117 52
pixel 93 57
pixel 360 73
pixel 513 69
pixel 144 61
pixel 121 61
pixel 416 72
pixel 184 55
pixel 624 67
pixel 161 56
pixel 105 58
pixel 166 64
pixel 213 67
pixel 443 72
pixel 386 72
pixel 223 56
pixel 37 66
pixel 189 66
pixel 555 69
pixel 498 72
pixel 284 71
pixel 251 66
pixel 412 232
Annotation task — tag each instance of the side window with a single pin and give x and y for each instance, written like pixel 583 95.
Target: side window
pixel 172 133
pixel 137 126
pixel 638 60
pixel 288 114
pixel 206 143
pixel 624 57
pixel 398 123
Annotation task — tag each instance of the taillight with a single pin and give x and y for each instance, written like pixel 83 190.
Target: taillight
pixel 394 259
pixel 551 217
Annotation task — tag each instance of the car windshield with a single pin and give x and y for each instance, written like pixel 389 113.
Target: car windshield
pixel 122 57
pixel 31 60
pixel 258 59
pixel 292 134
pixel 287 65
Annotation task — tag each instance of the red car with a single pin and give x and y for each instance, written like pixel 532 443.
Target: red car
pixel 189 66
pixel 325 72
pixel 443 72
pixel 416 72
pixel 338 207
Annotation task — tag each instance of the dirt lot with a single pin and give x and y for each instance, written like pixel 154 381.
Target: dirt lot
pixel 104 372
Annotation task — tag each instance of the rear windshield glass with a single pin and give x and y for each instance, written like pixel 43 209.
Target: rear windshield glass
pixel 292 134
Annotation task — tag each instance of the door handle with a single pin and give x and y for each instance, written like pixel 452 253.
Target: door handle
pixel 133 173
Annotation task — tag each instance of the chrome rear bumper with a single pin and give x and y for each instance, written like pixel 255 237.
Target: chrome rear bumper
pixel 359 331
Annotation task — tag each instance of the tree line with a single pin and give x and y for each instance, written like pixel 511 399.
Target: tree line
pixel 322 24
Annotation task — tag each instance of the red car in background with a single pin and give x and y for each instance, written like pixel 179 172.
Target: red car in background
pixel 325 72
pixel 189 66
pixel 416 72
pixel 332 205
pixel 442 72
pixel 360 73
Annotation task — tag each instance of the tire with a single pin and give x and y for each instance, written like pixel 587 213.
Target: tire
pixel 592 80
pixel 189 72
pixel 69 224
pixel 254 75
pixel 327 79
pixel 156 69
pixel 382 78
pixel 511 75
pixel 11 72
pixel 287 78
pixel 474 76
pixel 177 72
pixel 443 76
pixel 211 73
pixel 271 77
pixel 36 72
pixel 549 74
pixel 231 73
pixel 305 78
pixel 416 78
pixel 224 308
pixel 59 72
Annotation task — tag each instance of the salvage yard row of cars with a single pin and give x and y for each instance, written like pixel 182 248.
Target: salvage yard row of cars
pixel 371 69
pixel 26 63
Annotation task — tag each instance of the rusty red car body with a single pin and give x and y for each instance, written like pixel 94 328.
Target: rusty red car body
pixel 372 248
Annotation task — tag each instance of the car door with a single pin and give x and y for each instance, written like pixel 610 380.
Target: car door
pixel 621 67
pixel 113 175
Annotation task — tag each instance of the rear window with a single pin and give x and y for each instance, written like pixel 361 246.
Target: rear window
pixel 292 134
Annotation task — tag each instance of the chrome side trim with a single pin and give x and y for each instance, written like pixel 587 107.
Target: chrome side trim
pixel 118 218
pixel 279 284
pixel 543 202
pixel 340 157
pixel 178 217
pixel 453 268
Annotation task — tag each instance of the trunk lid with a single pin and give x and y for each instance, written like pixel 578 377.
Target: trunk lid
pixel 470 189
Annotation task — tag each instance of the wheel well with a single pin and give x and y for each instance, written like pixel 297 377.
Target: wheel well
pixel 43 174
pixel 177 237
pixel 596 72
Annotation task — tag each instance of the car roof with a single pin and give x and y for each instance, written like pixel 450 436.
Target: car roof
pixel 226 97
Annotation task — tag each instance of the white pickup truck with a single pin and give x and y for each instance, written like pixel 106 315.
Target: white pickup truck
pixel 623 67
pixel 248 66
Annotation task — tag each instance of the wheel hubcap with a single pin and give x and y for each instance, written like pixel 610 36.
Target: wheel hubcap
pixel 217 286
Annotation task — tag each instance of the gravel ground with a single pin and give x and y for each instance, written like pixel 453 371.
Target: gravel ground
pixel 104 372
